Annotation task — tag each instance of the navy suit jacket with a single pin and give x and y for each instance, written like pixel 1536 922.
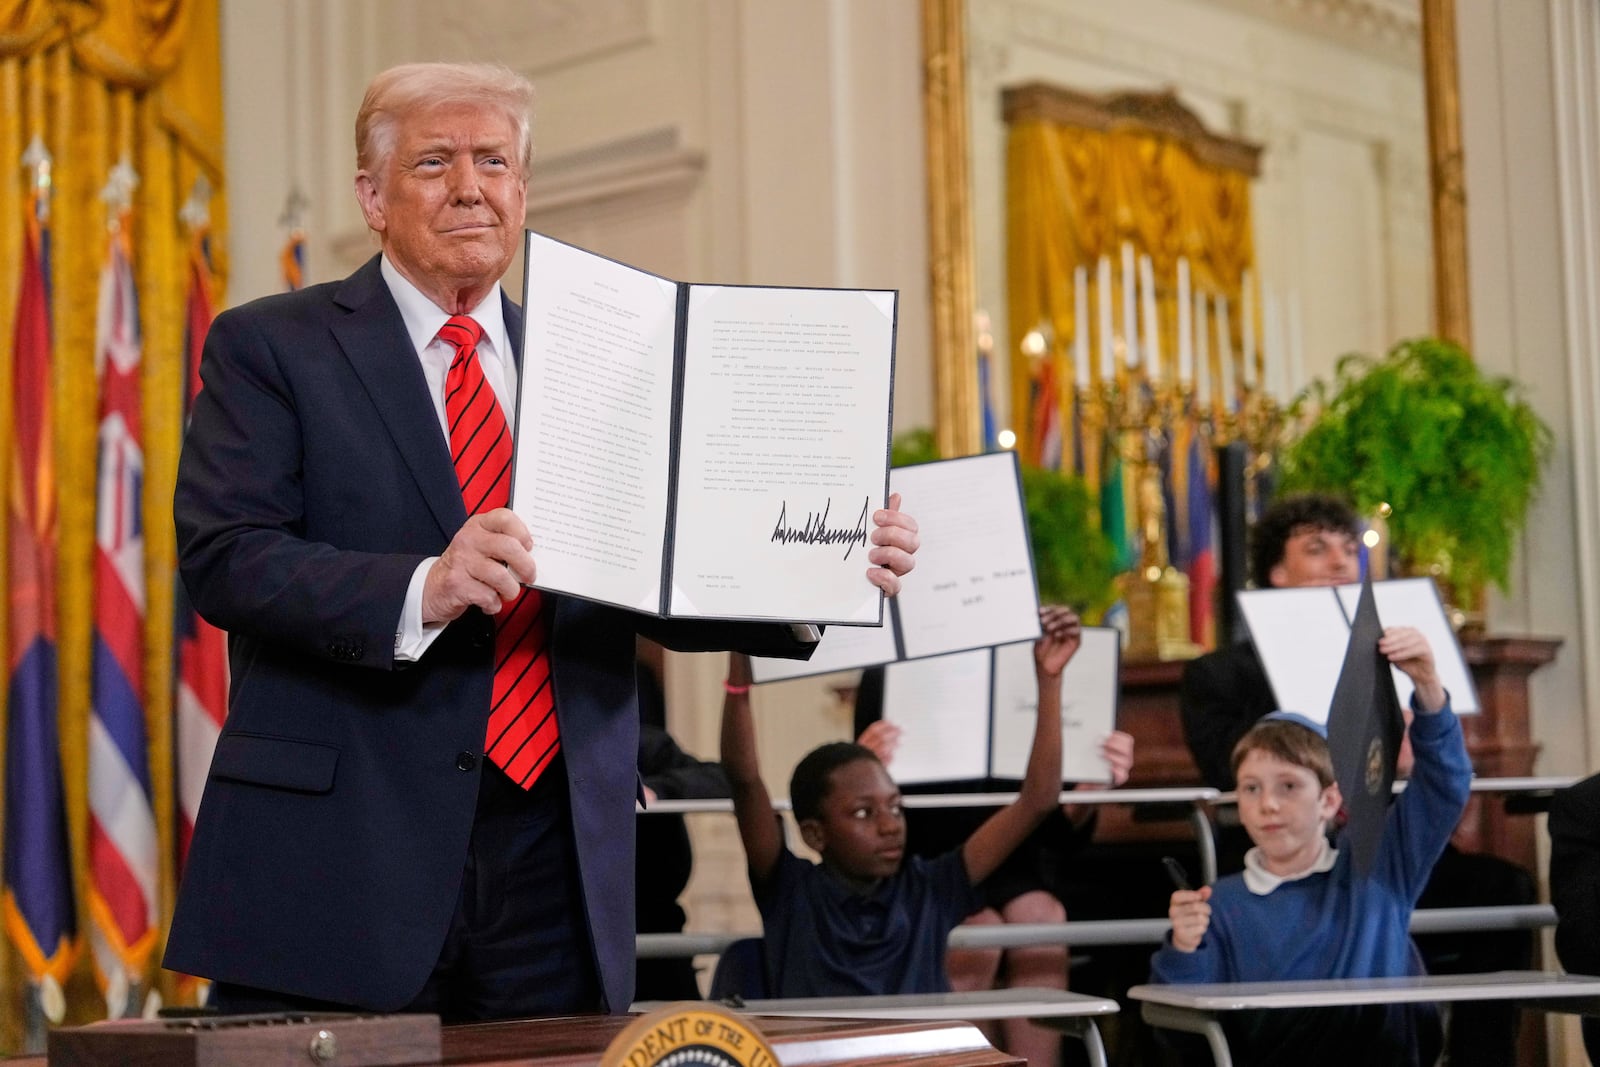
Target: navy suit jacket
pixel 328 852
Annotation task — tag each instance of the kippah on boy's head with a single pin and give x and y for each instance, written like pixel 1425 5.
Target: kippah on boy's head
pixel 1292 738
pixel 1296 516
pixel 812 778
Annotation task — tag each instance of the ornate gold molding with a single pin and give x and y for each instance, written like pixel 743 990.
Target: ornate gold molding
pixel 957 420
pixel 1452 317
pixel 1160 113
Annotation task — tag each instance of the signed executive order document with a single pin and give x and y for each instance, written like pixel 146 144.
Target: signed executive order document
pixel 702 451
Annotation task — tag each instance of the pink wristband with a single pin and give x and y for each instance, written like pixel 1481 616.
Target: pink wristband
pixel 735 690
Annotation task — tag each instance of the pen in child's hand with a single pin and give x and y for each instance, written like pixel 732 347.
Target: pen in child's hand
pixel 1175 871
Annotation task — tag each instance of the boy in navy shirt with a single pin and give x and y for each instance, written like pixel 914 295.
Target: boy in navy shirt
pixel 1298 911
pixel 867 920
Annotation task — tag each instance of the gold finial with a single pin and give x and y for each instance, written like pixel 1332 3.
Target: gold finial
pixel 196 211
pixel 294 209
pixel 118 192
pixel 36 160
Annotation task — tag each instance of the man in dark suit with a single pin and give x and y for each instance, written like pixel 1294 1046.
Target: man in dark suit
pixel 423 797
pixel 1575 885
pixel 1310 540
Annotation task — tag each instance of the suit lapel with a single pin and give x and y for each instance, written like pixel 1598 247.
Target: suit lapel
pixel 373 338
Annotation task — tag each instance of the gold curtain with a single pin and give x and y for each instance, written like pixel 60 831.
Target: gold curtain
pixel 97 81
pixel 1075 194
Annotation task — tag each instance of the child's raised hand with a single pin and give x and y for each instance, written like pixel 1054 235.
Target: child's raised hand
pixel 1409 650
pixel 739 671
pixel 1063 633
pixel 881 739
pixel 1117 751
pixel 1191 917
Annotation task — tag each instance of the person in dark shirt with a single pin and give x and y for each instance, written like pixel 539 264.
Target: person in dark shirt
pixel 1311 540
pixel 664 857
pixel 867 920
pixel 1575 885
pixel 1023 889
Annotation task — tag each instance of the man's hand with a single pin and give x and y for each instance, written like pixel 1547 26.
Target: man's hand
pixel 1191 917
pixel 895 535
pixel 1063 633
pixel 485 565
pixel 881 739
pixel 1407 649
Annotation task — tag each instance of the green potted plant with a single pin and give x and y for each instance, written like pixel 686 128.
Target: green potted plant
pixel 1072 557
pixel 1455 454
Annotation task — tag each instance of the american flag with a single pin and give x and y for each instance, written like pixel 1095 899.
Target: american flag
pixel 123 864
pixel 1201 545
pixel 202 650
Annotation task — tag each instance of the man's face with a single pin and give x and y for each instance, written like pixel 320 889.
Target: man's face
pixel 449 201
pixel 1317 557
pixel 862 831
pixel 1285 810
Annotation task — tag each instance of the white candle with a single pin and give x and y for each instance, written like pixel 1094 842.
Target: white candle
pixel 1225 354
pixel 1151 339
pixel 1247 369
pixel 1080 327
pixel 1273 346
pixel 1202 378
pixel 1108 367
pixel 1130 315
pixel 1185 326
pixel 1297 352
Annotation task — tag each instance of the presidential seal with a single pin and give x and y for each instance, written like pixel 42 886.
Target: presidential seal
pixel 689 1034
pixel 1375 766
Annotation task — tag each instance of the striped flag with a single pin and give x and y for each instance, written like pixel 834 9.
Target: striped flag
pixel 1202 553
pixel 292 260
pixel 1114 506
pixel 39 914
pixel 292 257
pixel 201 699
pixel 1046 420
pixel 123 861
pixel 991 428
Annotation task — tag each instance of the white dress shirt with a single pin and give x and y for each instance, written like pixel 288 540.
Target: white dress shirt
pixel 423 319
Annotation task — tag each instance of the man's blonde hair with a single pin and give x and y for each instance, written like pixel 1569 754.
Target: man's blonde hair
pixel 414 86
pixel 1289 742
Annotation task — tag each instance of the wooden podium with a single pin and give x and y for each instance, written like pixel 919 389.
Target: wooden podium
pixel 579 1041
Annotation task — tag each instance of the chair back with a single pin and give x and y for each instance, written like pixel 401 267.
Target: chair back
pixel 741 971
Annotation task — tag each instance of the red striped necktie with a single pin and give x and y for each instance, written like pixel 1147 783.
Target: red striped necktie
pixel 522 735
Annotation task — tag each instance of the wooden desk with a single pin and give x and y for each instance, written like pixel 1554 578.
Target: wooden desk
pixel 578 1041
pixel 1072 1013
pixel 1081 933
pixel 1194 801
pixel 1197 1009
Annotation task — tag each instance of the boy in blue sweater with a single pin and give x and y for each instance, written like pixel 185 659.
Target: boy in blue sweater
pixel 1298 911
pixel 868 919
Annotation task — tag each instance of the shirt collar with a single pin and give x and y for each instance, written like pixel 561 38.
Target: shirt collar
pixel 1261 881
pixel 423 317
